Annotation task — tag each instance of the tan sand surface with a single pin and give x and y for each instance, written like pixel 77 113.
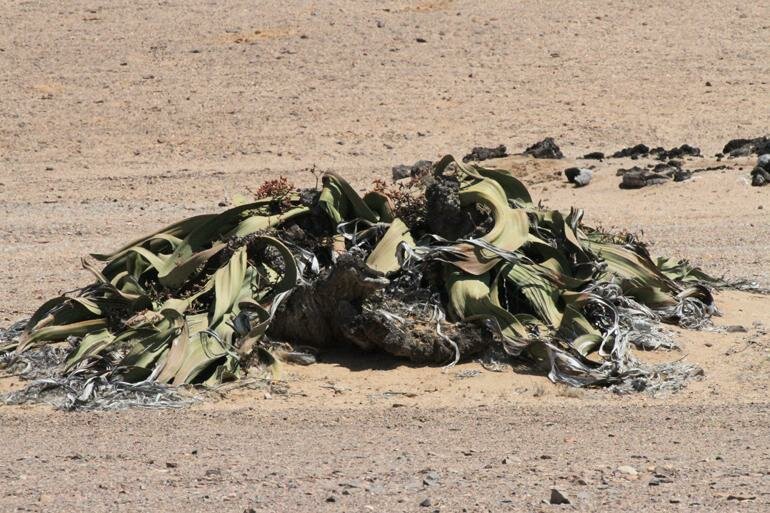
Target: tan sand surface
pixel 119 117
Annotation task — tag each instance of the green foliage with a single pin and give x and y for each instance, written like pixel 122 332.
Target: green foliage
pixel 192 302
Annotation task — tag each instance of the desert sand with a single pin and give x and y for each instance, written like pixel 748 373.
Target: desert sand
pixel 117 119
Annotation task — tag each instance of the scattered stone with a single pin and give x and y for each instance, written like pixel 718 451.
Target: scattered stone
pixel 735 328
pixel 171 464
pixel 545 149
pixel 594 155
pixel 401 171
pixel 558 498
pixel 637 177
pixel 745 147
pixel 431 479
pixel 628 470
pixel 331 498
pixel 642 150
pixel 684 150
pixel 666 169
pixel 709 168
pixel 426 503
pixel 421 40
pixel 659 479
pixel 680 175
pixel 708 84
pixel 422 168
pixel 480 153
pixel 634 152
pixel 351 484
pixel 579 176
pixel 419 168
pixel 740 498
pixel 760 177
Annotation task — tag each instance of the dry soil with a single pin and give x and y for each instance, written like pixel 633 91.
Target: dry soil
pixel 118 118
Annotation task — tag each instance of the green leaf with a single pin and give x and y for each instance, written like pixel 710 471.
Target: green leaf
pixel 341 202
pixel 91 344
pixel 383 256
pixel 639 277
pixel 471 296
pixel 182 347
pixel 514 190
pixel 60 332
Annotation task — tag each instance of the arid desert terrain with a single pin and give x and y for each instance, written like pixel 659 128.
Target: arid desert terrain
pixel 119 117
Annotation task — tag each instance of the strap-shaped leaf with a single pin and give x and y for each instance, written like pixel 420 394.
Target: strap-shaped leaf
pixel 91 344
pixel 383 257
pixel 341 202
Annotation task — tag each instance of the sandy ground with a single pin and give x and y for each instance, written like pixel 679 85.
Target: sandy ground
pixel 116 119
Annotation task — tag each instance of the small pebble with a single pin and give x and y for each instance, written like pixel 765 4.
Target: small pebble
pixel 558 498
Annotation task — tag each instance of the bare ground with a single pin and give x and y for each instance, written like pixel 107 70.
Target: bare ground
pixel 117 119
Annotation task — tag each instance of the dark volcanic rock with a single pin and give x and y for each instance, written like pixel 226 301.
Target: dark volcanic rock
pixel 673 162
pixel 419 168
pixel 642 150
pixel 401 171
pixel 545 149
pixel 764 162
pixel 480 153
pixel 760 177
pixel 422 168
pixel 680 175
pixel 637 177
pixel 579 176
pixel 745 147
pixel 634 152
pixel 670 170
pixel 594 155
pixel 557 497
pixel 684 150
